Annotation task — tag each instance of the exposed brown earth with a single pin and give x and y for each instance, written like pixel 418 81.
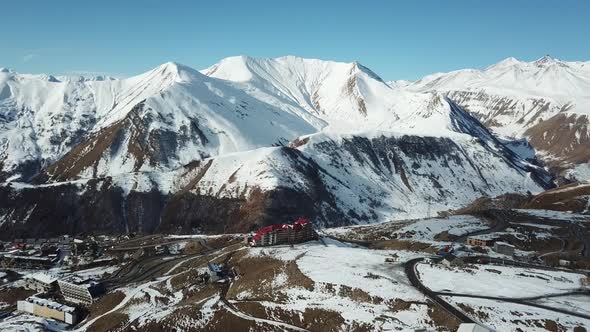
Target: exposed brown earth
pixel 506 201
pixel 108 322
pixel 154 147
pixel 84 155
pixel 443 320
pixel 573 197
pixel 564 137
pixel 254 269
pixel 105 303
pixel 12 295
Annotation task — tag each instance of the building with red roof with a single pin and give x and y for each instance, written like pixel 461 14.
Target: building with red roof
pixel 299 231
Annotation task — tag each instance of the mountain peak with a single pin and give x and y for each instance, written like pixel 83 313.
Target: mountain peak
pixel 177 71
pixel 172 66
pixel 243 68
pixel 545 60
pixel 508 62
pixel 367 71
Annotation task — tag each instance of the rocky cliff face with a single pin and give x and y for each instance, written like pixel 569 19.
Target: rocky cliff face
pixel 334 180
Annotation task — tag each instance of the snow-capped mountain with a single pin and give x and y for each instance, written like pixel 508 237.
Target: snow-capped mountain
pixel 162 119
pixel 244 142
pixel 546 101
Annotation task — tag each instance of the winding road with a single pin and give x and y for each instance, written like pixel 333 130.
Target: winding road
pixel 410 269
pixel 497 217
pixel 149 267
pixel 524 301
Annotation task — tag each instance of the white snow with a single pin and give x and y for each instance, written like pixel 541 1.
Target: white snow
pixel 513 96
pixel 30 323
pixel 555 79
pixel 556 215
pixel 504 316
pixel 337 265
pixel 576 303
pixel 510 282
pixel 580 172
pixel 232 116
pixel 425 230
pixel 541 226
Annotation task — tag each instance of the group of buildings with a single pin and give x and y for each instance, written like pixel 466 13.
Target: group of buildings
pixel 46 253
pixel 74 290
pixel 299 231
pixel 49 309
pixel 452 257
pixel 500 247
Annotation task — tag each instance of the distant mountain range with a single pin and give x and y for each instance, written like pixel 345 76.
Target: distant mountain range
pixel 249 142
pixel 546 102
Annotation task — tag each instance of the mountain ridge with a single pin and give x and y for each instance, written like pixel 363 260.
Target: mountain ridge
pixel 239 145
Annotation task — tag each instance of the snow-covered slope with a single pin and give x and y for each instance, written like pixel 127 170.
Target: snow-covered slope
pixel 348 97
pixel 162 119
pixel 348 178
pixel 546 101
pixel 244 142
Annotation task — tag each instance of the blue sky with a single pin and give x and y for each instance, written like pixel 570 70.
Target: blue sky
pixel 397 40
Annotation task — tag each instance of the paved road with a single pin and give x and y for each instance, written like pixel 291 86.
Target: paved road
pixel 499 220
pixel 517 301
pixel 146 268
pixel 410 269
pixel 140 270
pixel 582 291
pixel 363 243
pixel 151 245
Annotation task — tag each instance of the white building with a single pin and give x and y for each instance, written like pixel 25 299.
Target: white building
pixel 48 309
pixel 40 282
pixel 77 290
pixel 504 248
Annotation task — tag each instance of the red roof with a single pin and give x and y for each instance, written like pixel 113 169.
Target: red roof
pixel 297 225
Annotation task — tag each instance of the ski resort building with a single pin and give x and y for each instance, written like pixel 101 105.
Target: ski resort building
pixel 26 262
pixel 77 290
pixel 40 282
pixel 48 309
pixel 451 260
pixel 504 248
pixel 297 232
pixel 481 241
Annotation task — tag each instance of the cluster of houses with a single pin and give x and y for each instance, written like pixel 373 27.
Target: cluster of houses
pixel 33 253
pixel 500 247
pixel 453 257
pixel 46 253
pixel 299 231
pixel 74 291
